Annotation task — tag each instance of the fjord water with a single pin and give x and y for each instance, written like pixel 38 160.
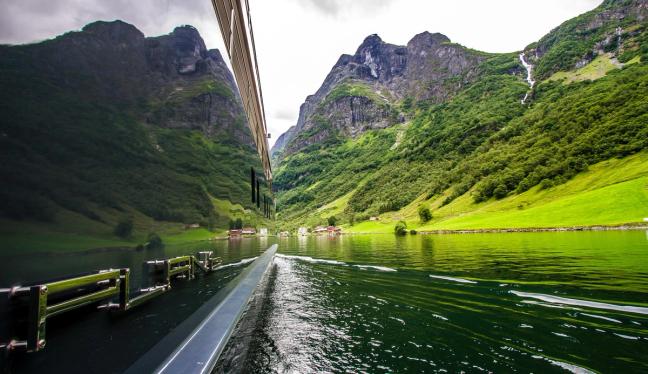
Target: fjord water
pixel 515 302
pixel 525 302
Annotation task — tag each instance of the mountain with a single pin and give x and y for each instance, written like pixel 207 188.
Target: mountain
pixel 468 133
pixel 361 91
pixel 104 123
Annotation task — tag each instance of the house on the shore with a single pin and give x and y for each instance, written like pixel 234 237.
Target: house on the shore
pixel 302 231
pixel 320 230
pixel 248 231
pixel 234 233
pixel 333 230
pixel 263 231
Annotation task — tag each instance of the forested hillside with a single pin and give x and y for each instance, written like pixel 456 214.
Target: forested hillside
pixel 435 125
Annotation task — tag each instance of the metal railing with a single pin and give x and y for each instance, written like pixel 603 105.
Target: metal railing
pixel 28 308
pixel 196 345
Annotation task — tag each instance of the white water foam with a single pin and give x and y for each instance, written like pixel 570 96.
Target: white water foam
pixel 453 279
pixel 312 260
pixel 569 367
pixel 333 262
pixel 439 317
pixel 585 303
pixel 601 317
pixel 234 264
pixel 375 267
pixel 383 301
pixel 627 336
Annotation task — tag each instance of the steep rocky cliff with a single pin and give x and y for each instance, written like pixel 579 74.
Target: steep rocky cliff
pixel 365 90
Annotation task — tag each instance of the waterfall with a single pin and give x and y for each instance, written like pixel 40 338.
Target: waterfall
pixel 619 31
pixel 529 78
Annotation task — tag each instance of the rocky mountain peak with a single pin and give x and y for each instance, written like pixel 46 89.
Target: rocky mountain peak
pixel 370 41
pixel 118 31
pixel 187 37
pixel 426 40
pixel 189 48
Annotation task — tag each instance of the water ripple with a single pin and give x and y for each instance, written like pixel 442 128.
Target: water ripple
pixel 585 303
pixel 453 279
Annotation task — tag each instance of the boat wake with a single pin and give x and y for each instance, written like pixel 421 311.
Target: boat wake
pixel 452 279
pixel 581 303
pixel 244 261
pixel 334 262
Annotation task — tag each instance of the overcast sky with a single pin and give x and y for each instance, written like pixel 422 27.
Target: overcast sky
pixel 298 41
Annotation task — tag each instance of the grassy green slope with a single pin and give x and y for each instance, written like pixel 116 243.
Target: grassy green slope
pixel 617 204
pixel 612 192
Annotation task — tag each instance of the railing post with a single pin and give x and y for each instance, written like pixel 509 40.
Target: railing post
pixel 124 288
pixel 166 276
pixel 37 316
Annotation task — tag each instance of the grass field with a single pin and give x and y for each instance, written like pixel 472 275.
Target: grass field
pixel 612 192
pixel 596 69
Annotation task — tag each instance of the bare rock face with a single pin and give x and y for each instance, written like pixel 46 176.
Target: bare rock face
pixel 199 92
pixel 353 115
pixel 190 49
pixel 420 70
pixel 349 116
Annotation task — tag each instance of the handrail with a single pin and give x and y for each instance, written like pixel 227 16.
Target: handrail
pixel 29 307
pixel 196 345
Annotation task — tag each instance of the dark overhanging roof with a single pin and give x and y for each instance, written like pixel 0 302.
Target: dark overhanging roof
pixel 236 27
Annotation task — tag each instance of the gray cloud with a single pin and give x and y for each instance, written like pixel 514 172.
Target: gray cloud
pixel 26 21
pixel 285 114
pixel 342 8
pixel 331 7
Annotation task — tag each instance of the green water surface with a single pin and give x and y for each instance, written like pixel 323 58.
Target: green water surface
pixel 514 302
pixel 524 302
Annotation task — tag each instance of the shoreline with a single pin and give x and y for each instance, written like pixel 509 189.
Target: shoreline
pixel 622 227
